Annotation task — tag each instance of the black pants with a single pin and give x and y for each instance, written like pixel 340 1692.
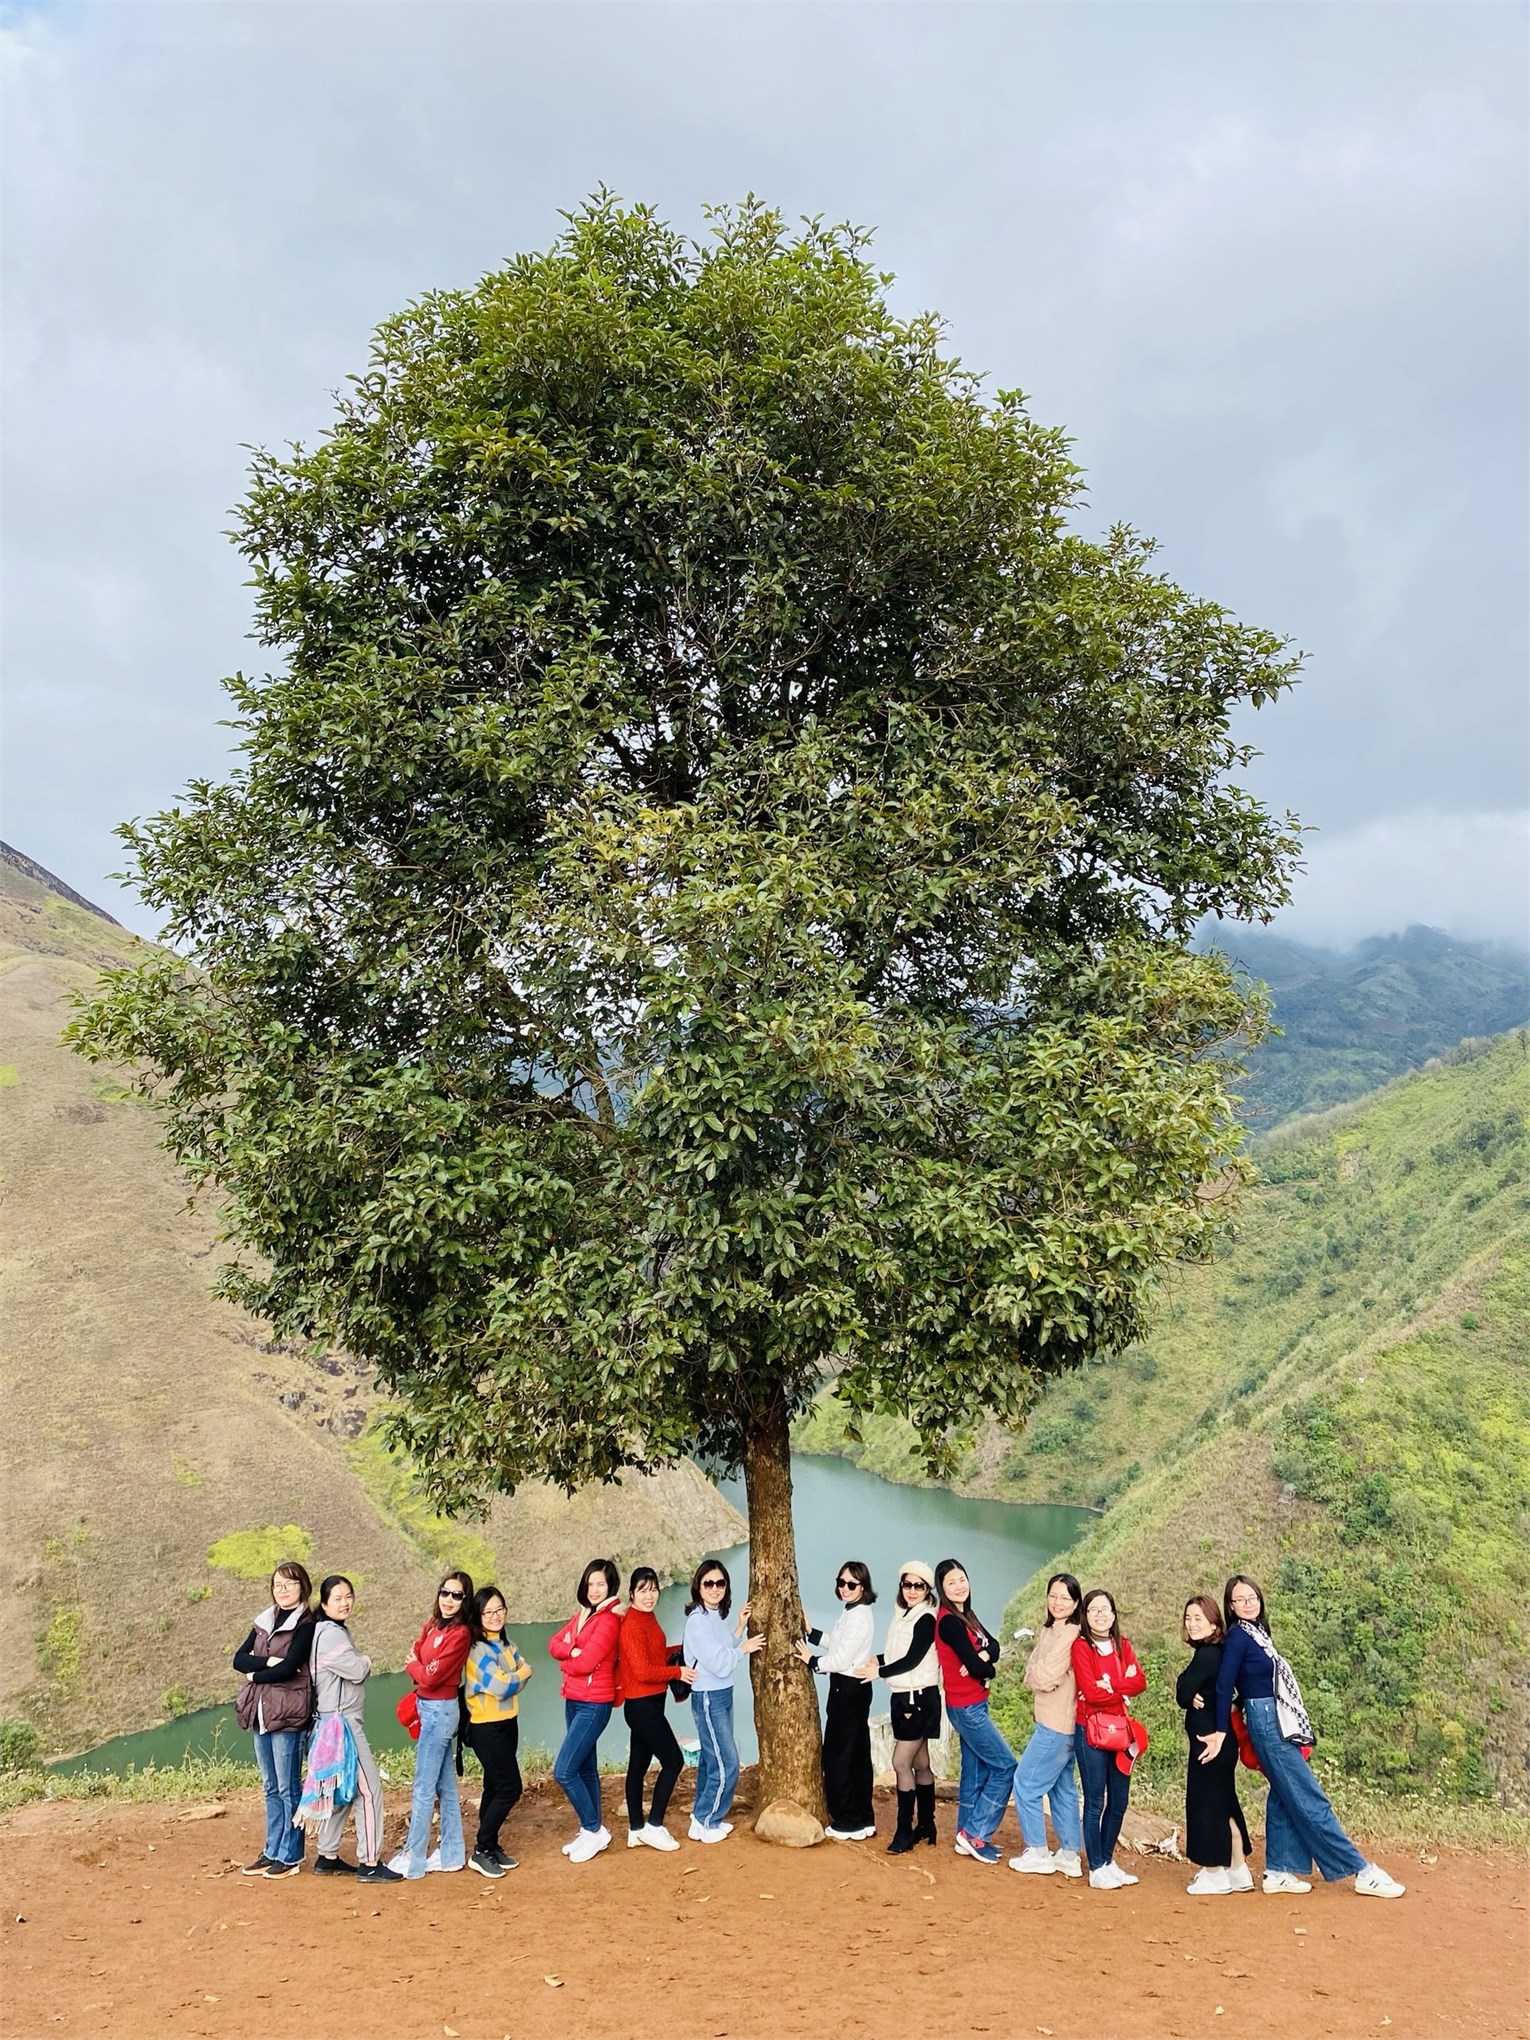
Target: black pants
pixel 650 1738
pixel 847 1753
pixel 1212 1809
pixel 495 1744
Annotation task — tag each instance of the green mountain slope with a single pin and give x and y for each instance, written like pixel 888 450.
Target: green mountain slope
pixel 1340 1407
pixel 1351 1020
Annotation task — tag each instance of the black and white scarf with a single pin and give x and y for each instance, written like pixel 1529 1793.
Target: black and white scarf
pixel 1291 1715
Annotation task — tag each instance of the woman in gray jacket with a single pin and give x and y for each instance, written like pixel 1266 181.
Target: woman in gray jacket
pixel 340 1673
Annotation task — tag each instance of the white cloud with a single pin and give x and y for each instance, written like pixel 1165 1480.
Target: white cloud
pixel 1468 874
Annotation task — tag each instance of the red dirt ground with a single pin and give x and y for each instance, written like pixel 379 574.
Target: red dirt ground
pixel 134 1924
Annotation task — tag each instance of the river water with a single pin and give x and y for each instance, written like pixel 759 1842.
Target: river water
pixel 839 1512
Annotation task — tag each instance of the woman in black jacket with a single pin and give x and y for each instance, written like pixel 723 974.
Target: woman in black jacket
pixel 1216 1835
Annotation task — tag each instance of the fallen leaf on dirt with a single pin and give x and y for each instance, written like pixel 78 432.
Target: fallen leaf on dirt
pixel 555 1981
pixel 767 1894
pixel 1427 1859
pixel 204 1813
pixel 1298 1930
pixel 1043 2029
pixel 450 2032
pixel 208 1998
pixel 1218 2012
pixel 691 1872
pixel 21 1920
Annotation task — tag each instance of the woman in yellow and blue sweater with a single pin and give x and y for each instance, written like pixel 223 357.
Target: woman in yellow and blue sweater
pixel 492 1679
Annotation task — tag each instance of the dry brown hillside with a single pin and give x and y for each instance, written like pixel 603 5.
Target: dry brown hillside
pixel 146 1423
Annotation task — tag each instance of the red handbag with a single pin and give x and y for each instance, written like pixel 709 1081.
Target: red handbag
pixel 1108 1732
pixel 408 1712
pixel 1247 1754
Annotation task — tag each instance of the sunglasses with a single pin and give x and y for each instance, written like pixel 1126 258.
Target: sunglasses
pixel 719 1584
pixel 922 1585
pixel 449 1594
pixel 845 1586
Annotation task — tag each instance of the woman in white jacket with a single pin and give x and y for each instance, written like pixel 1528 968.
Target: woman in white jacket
pixel 909 1665
pixel 847 1724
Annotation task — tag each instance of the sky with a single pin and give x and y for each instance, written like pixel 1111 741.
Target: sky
pixel 1265 263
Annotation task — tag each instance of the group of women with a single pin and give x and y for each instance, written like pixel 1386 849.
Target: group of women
pixel 305 1679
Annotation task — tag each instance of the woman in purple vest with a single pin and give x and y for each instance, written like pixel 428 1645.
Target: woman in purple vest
pixel 276 1704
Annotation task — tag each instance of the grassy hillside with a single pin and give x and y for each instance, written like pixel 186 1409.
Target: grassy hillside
pixel 158 1451
pixel 1339 1406
pixel 1351 1020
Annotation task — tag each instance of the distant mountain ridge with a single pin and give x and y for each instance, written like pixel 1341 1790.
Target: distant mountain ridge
pixel 1353 1019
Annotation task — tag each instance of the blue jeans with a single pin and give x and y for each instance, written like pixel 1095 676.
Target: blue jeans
pixel 1045 1772
pixel 717 1763
pixel 1300 1827
pixel 578 1769
pixel 988 1771
pixel 280 1757
pixel 1106 1790
pixel 435 1778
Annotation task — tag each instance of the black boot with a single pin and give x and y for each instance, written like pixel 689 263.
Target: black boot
pixel 903 1840
pixel 925 1797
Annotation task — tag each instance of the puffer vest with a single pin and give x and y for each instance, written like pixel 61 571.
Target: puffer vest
pixel 284 1704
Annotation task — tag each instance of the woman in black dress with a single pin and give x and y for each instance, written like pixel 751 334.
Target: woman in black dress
pixel 1216 1835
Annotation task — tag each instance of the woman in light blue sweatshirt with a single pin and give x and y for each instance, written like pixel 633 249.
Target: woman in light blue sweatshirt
pixel 714 1650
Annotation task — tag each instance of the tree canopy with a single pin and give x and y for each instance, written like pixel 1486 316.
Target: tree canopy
pixel 704 901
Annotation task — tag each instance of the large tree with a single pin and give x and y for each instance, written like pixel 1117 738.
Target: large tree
pixel 703 905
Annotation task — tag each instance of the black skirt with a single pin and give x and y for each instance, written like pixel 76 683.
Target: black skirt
pixel 1211 1806
pixel 916 1715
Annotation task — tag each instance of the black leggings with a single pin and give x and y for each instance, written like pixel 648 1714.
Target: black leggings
pixel 847 1754
pixel 650 1737
pixel 495 1744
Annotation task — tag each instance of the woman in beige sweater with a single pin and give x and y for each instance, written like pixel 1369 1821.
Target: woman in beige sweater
pixel 1045 1771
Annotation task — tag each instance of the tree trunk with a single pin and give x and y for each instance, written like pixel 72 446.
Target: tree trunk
pixel 785 1700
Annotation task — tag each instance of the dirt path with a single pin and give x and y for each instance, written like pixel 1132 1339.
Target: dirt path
pixel 137 1926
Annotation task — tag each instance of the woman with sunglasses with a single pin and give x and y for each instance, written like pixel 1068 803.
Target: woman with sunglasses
pixel 847 1777
pixel 586 1647
pixel 714 1650
pixel 435 1665
pixel 969 1657
pixel 911 1668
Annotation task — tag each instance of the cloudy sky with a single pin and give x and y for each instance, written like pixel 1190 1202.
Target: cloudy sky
pixel 1266 263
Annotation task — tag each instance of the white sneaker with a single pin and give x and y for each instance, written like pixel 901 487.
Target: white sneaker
pixel 588 1843
pixel 865 1834
pixel 1068 1861
pixel 1374 1882
pixel 1107 1878
pixel 724 1827
pixel 841 1834
pixel 1283 1880
pixel 651 1837
pixel 432 1861
pixel 1241 1878
pixel 400 1863
pixel 1036 1862
pixel 1210 1884
pixel 1123 1876
pixel 568 1847
pixel 698 1833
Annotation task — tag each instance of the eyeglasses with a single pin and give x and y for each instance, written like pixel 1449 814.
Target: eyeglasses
pixel 845 1586
pixel 450 1594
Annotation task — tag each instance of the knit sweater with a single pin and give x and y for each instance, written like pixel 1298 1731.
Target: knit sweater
pixel 1245 1670
pixel 643 1670
pixel 492 1680
pixel 712 1648
pixel 435 1664
pixel 1107 1679
pixel 1049 1674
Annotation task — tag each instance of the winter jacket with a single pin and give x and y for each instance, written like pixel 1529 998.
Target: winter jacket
pixel 1049 1674
pixel 586 1647
pixel 276 1699
pixel 909 1661
pixel 340 1672
pixel 643 1670
pixel 847 1644
pixel 435 1664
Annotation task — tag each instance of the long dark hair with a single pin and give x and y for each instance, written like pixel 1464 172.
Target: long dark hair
pixel 1099 1594
pixel 725 1606
pixel 1241 1579
pixel 1213 1614
pixel 1066 1579
pixel 481 1601
pixel 464 1614
pixel 613 1582
pixel 969 1614
pixel 327 1586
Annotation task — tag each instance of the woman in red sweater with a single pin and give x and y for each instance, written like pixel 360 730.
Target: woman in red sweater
pixel 586 1647
pixel 1106 1740
pixel 643 1673
pixel 435 1665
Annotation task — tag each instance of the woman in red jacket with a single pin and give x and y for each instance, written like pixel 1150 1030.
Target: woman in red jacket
pixel 643 1673
pixel 1106 1739
pixel 586 1647
pixel 435 1665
